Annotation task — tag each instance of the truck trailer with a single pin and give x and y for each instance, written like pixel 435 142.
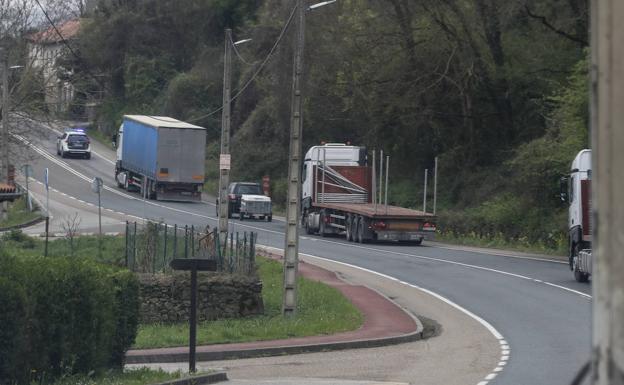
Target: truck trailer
pixel 161 157
pixel 576 191
pixel 339 197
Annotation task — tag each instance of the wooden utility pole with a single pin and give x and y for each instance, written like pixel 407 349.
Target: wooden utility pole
pixel 293 198
pixel 224 158
pixel 607 124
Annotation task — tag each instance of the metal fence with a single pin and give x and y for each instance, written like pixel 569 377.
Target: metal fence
pixel 150 246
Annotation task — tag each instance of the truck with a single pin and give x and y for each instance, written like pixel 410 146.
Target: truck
pixel 576 191
pixel 161 157
pixel 339 196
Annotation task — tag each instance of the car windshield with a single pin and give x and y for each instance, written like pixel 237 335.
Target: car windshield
pixel 249 189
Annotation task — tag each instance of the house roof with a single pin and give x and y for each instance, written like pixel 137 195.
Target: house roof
pixel 68 30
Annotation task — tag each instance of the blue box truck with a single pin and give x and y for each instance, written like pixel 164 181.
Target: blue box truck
pixel 161 157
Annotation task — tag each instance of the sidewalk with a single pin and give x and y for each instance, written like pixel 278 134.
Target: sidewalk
pixel 385 323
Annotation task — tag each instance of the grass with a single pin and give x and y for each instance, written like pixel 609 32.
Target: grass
pixel 141 376
pixel 19 214
pixel 104 139
pixel 499 242
pixel 17 244
pixel 321 310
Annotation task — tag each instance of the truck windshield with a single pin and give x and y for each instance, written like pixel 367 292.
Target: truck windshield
pixel 249 189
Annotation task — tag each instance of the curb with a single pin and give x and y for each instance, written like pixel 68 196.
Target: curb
pixel 182 356
pixel 209 378
pixel 32 222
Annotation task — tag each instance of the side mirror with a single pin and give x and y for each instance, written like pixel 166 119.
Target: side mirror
pixel 563 188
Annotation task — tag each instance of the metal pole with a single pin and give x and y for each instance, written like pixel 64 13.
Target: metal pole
pixel 224 170
pixel 380 176
pixel 47 227
pixel 193 320
pixel 127 235
pixel 4 143
pixel 323 184
pixel 425 193
pixel 374 187
pixel 293 202
pixel 435 185
pixel 185 241
pixel 28 200
pixel 100 223
pixel 165 250
pixel 175 240
pixel 607 119
pixel 386 193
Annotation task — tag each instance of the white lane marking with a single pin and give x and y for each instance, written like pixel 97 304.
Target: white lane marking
pixel 505 354
pixel 68 168
pixel 488 252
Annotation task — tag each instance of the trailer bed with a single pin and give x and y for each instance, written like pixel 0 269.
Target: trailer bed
pixel 380 212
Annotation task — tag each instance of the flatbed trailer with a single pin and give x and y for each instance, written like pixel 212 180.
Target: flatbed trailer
pixel 338 198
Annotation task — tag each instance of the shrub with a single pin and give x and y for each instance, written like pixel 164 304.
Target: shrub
pixel 78 316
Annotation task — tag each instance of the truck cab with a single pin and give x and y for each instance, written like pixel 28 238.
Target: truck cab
pixel 578 196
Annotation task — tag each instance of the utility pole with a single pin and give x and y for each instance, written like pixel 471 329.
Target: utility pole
pixel 4 140
pixel 224 158
pixel 435 185
pixel 607 134
pixel 293 198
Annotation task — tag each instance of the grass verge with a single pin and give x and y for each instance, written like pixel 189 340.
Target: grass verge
pixel 498 242
pixel 19 214
pixel 321 310
pixel 141 376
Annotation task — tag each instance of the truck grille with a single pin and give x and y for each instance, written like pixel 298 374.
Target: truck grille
pixel 258 207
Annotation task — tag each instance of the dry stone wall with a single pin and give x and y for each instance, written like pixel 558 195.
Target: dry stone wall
pixel 166 298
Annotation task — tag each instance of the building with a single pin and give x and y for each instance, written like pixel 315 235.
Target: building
pixel 44 48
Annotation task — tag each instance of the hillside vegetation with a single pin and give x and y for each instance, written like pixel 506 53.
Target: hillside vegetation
pixel 496 90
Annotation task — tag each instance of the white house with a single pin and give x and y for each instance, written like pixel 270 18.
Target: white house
pixel 44 48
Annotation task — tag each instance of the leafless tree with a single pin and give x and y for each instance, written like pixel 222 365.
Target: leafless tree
pixel 70 226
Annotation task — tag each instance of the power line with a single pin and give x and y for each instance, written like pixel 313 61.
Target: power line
pixel 253 77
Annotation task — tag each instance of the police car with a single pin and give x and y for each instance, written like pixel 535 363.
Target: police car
pixel 73 142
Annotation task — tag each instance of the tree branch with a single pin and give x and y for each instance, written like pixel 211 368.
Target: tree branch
pixel 545 22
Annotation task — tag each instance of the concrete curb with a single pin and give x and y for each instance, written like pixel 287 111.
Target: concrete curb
pixel 23 225
pixel 209 378
pixel 182 356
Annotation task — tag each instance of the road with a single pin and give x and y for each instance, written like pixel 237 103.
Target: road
pixel 533 304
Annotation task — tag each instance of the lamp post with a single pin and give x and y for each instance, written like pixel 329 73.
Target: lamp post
pixel 293 197
pixel 225 158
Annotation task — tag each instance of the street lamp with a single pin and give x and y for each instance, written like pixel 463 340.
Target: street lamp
pixel 293 197
pixel 224 157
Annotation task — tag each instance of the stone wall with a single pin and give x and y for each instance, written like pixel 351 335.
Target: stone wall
pixel 166 298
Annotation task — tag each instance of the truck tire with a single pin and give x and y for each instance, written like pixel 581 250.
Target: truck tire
pixel 349 229
pixel 270 218
pixel 361 237
pixel 322 226
pixel 579 276
pixel 306 225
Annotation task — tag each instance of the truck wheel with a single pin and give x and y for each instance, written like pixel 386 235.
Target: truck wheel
pixel 349 229
pixel 579 276
pixel 241 216
pixel 269 218
pixel 361 230
pixel 322 225
pixel 306 225
pixel 126 185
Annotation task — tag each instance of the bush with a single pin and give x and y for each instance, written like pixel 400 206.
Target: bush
pixel 78 316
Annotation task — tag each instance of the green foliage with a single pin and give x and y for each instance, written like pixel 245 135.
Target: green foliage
pixel 19 214
pixel 141 376
pixel 78 316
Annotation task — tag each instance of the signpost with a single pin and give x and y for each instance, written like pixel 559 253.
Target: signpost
pixel 96 186
pixel 193 265
pixel 27 172
pixel 46 174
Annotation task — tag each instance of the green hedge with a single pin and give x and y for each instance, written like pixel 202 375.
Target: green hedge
pixel 65 316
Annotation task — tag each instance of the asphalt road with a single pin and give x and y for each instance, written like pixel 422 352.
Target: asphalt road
pixel 537 307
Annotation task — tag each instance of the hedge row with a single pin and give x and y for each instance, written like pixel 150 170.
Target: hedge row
pixel 63 316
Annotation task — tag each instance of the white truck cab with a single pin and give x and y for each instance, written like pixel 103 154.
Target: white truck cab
pixel 578 196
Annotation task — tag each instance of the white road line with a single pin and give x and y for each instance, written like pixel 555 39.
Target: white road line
pixel 489 252
pixel 504 354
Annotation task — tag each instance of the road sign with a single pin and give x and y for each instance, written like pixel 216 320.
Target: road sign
pixel 96 185
pixel 225 161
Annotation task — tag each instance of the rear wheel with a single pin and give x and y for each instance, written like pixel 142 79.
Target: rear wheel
pixel 269 218
pixel 322 226
pixel 306 225
pixel 361 230
pixel 349 229
pixel 88 155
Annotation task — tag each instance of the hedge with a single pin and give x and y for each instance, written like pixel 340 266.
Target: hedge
pixel 65 316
